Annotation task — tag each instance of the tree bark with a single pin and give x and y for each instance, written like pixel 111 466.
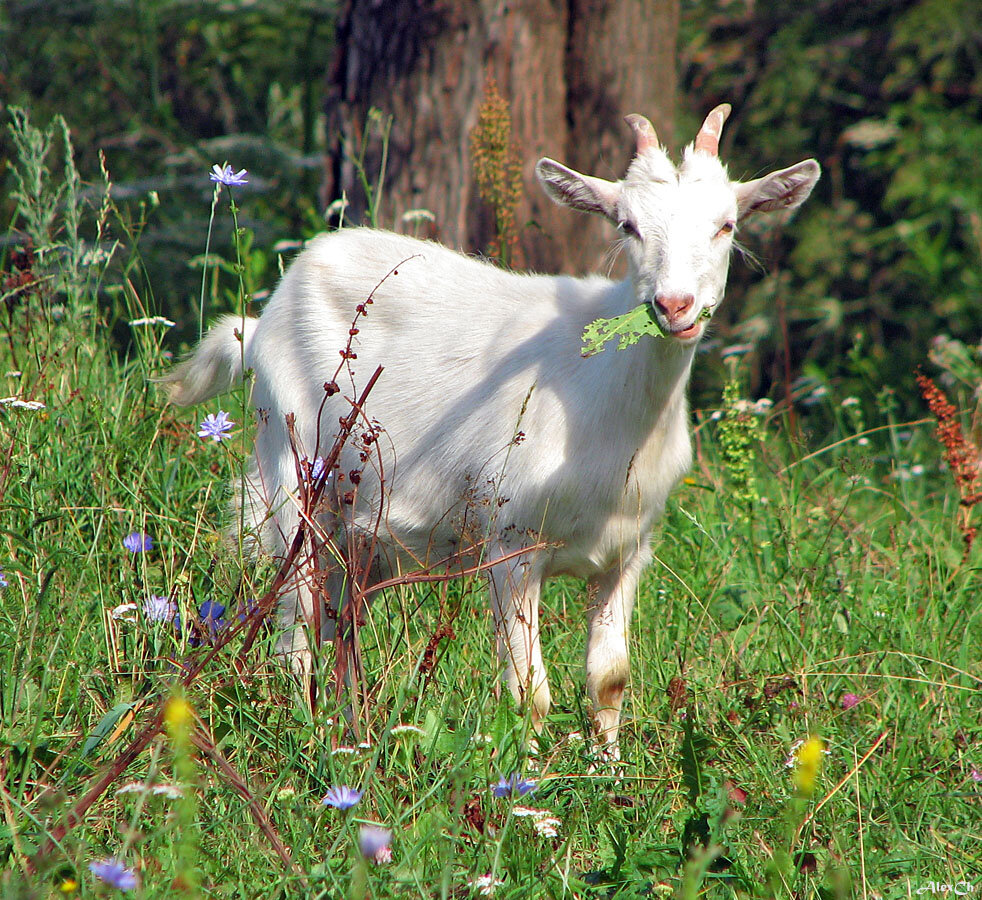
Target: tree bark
pixel 570 70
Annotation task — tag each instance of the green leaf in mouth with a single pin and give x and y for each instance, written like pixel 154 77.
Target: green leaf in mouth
pixel 628 329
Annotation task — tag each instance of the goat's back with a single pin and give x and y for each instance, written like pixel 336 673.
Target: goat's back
pixel 485 403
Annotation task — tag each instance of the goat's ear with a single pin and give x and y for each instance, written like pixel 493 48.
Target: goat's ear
pixel 785 189
pixel 583 192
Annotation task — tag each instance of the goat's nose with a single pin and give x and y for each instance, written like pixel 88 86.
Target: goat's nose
pixel 674 305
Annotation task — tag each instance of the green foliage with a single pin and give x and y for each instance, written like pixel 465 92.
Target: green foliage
pixel 739 434
pixel 166 89
pixel 888 97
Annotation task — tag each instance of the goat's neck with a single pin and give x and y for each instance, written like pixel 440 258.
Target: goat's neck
pixel 659 366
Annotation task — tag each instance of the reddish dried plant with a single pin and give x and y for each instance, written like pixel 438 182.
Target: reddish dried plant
pixel 963 457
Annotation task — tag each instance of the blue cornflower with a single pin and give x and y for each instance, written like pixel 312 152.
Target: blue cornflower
pixel 225 175
pixel 513 786
pixel 159 609
pixel 211 613
pixel 114 873
pixel 216 426
pixel 316 467
pixel 3 581
pixel 137 542
pixel 341 797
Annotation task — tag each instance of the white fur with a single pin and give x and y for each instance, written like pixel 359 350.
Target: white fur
pixel 472 356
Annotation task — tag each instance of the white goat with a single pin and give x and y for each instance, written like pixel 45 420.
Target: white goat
pixel 473 355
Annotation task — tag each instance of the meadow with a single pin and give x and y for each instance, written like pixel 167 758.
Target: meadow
pixel 803 713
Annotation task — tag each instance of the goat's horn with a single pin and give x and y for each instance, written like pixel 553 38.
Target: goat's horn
pixel 644 134
pixel 708 138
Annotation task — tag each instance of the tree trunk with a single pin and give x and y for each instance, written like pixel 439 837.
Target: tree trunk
pixel 569 69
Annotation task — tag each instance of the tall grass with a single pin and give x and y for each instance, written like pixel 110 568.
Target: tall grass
pixel 833 601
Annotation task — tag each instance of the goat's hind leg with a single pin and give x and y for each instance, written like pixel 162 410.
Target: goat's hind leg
pixel 515 589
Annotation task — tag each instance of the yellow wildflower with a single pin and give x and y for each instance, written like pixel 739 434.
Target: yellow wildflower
pixel 808 762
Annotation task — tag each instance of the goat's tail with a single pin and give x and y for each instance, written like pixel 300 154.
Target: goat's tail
pixel 216 363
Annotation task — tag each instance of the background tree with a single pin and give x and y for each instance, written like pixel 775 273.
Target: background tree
pixel 569 70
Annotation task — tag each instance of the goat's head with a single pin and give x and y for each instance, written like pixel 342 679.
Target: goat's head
pixel 678 222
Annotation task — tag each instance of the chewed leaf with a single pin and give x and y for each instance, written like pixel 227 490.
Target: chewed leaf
pixel 628 328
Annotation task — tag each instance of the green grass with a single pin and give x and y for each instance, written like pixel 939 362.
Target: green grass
pixel 751 627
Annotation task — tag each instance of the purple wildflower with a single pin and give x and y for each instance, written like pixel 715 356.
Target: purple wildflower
pixel 137 542
pixel 315 467
pixel 513 786
pixel 211 613
pixel 159 609
pixel 216 426
pixel 374 843
pixel 225 175
pixel 849 701
pixel 114 873
pixel 975 774
pixel 3 581
pixel 341 797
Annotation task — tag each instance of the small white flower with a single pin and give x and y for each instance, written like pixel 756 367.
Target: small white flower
pixel 543 821
pixel 170 791
pixel 94 256
pixel 364 745
pixel 863 442
pixel 574 737
pixel 485 884
pixel 17 403
pixel 417 215
pixel 287 246
pixel 547 826
pixel 524 811
pixel 408 729
pixel 153 320
pixel 134 787
pixel 125 612
pixel 336 208
pixel 850 401
pixel 343 751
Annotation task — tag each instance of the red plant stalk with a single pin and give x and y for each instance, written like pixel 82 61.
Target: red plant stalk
pixel 963 457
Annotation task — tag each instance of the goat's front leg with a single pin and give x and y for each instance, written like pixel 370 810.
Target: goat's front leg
pixel 515 588
pixel 612 599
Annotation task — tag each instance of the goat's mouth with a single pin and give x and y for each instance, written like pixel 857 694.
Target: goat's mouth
pixel 688 332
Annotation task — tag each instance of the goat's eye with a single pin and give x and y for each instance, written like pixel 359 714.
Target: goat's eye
pixel 725 228
pixel 628 227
